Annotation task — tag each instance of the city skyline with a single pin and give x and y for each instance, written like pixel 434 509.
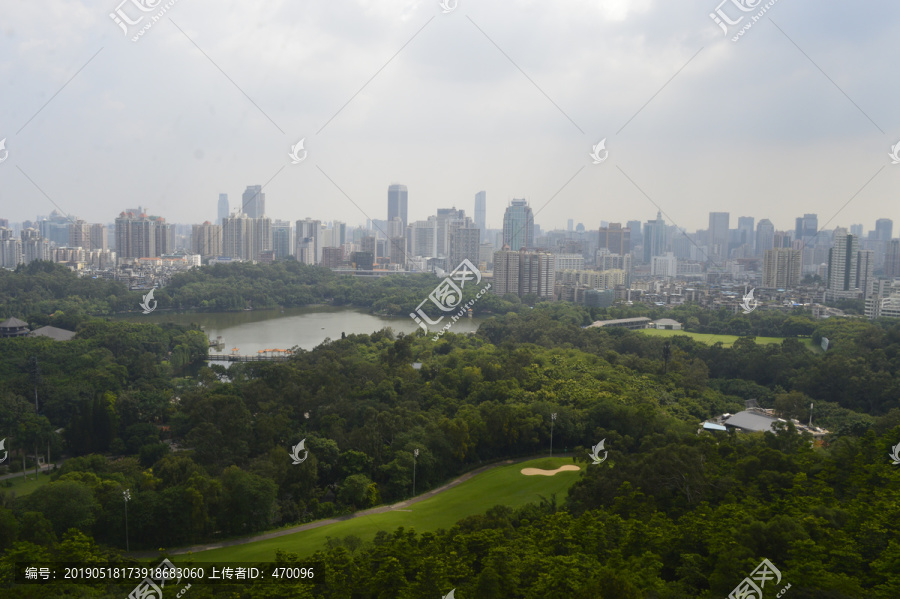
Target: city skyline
pixel 675 139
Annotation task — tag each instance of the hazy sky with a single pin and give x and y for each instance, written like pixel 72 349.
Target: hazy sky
pixel 797 116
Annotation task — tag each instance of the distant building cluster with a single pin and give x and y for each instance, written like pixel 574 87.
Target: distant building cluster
pixel 651 262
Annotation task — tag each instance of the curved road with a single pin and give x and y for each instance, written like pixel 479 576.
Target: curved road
pixel 319 523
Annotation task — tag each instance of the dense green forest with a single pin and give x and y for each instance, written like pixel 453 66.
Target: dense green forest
pixel 205 450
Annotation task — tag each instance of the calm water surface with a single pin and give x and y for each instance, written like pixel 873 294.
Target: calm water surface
pixel 307 327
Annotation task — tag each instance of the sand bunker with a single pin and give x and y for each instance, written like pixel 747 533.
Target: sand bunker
pixel 533 471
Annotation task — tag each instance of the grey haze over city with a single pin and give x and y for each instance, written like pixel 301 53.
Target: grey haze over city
pixel 798 116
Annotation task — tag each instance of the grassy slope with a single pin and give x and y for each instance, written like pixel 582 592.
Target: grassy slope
pixel 21 488
pixel 727 340
pixel 504 485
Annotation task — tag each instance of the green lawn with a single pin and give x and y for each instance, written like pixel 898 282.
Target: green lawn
pixel 22 488
pixel 727 340
pixel 504 485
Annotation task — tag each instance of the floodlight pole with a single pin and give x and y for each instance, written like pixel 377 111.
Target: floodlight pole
pixel 415 455
pixel 552 422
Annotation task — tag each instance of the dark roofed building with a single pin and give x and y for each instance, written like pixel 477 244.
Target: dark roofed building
pixel 53 333
pixel 13 328
pixel 751 421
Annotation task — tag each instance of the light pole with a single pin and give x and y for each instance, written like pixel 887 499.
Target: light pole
pixel 552 422
pixel 415 455
pixel 127 495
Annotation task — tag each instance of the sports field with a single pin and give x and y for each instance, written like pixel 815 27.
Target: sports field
pixel 503 485
pixel 727 340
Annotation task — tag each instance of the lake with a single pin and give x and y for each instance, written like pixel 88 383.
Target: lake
pixel 306 327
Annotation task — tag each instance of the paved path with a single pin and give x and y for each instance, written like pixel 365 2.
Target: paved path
pixel 29 472
pixel 319 523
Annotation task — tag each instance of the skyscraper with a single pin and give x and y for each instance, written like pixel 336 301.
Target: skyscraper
pixel 223 208
pixel 397 200
pixel 245 238
pixel 518 225
pixel 718 235
pixel 781 268
pixel 765 236
pixel 614 238
pixel 654 238
pixel 745 231
pixel 206 239
pixel 282 238
pixel 865 265
pixel 842 264
pixel 884 229
pixel 309 243
pixel 892 259
pixel 806 227
pixel 465 243
pixel 481 211
pixel 253 202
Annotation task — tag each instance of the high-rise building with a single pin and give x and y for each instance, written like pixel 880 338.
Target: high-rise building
pixel 745 232
pixel 465 244
pixel 481 211
pixel 10 249
pixel 537 274
pixel 142 236
pixel 253 202
pixel 421 238
pixel 397 202
pixel 518 225
pixel 34 246
pixel 892 259
pixel 765 236
pixel 782 268
pixel 223 208
pixel 615 239
pixel 446 221
pixel 506 272
pixel 339 233
pixel 856 230
pixel 842 264
pixel 79 235
pixel 884 229
pixel 309 243
pixel 637 236
pixel 282 239
pixel 664 266
pixel 237 237
pixel 865 265
pixel 718 235
pixel 206 240
pixel 654 238
pixel 806 228
pixel 570 225
pixel 89 236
